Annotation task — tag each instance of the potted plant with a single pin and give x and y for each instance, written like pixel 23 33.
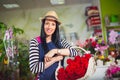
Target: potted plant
pixel 21 66
pixel 113 71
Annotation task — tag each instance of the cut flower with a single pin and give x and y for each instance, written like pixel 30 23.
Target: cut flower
pixel 76 68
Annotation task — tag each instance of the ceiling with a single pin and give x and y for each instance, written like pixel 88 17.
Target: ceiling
pixel 29 4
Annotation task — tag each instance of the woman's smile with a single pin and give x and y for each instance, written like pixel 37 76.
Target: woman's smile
pixel 49 30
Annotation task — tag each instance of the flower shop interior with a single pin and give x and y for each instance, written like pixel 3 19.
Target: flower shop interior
pixel 93 25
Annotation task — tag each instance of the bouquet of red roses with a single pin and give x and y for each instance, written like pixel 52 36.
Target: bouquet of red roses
pixel 76 68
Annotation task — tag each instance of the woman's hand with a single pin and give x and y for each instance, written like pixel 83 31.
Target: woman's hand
pixel 51 53
pixel 47 59
pixel 50 61
pixel 58 58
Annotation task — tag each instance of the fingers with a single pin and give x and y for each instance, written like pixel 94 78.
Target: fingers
pixel 47 59
pixel 56 58
pixel 59 58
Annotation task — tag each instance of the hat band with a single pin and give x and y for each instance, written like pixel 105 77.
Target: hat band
pixel 51 20
pixel 51 17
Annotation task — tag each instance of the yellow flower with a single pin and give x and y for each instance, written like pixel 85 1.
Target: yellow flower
pixel 5 61
pixel 101 57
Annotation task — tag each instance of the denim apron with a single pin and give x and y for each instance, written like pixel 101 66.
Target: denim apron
pixel 49 73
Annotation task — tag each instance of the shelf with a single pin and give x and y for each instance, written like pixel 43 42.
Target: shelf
pixel 97 25
pixel 117 28
pixel 94 15
pixel 112 27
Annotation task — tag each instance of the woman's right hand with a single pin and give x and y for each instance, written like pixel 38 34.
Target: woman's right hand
pixel 58 58
pixel 52 60
pixel 55 59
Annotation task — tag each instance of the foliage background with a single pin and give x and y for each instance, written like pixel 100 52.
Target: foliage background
pixel 19 70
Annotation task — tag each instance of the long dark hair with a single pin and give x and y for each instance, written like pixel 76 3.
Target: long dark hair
pixel 55 37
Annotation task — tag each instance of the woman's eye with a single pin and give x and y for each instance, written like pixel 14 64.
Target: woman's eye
pixel 53 24
pixel 46 23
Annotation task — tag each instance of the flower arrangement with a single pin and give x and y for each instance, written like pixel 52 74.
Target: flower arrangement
pixel 76 68
pixel 102 57
pixel 97 47
pixel 94 45
pixel 90 45
pixel 113 71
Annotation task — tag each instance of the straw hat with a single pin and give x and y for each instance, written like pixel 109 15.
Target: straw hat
pixel 52 14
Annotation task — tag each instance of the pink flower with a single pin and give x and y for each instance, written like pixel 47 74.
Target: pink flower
pixel 112 70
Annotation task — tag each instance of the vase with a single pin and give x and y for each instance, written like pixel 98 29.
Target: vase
pixel 108 63
pixel 118 61
pixel 99 62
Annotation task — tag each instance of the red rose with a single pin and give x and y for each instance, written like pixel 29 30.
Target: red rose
pixel 87 56
pixel 80 71
pixel 77 59
pixel 75 69
pixel 87 40
pixel 94 44
pixel 90 39
pixel 85 63
pixel 61 74
pixel 69 61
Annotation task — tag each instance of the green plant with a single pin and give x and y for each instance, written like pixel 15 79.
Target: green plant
pixel 21 57
pixel 3 27
pixel 17 31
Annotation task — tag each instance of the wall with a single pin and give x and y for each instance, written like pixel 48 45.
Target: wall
pixel 72 18
pixel 109 7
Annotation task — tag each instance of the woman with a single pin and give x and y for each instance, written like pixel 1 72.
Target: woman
pixel 46 52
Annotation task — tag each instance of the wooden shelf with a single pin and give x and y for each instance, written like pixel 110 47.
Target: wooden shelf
pixel 116 28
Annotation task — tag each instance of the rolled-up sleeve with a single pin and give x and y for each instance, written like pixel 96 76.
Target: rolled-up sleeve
pixel 73 51
pixel 35 65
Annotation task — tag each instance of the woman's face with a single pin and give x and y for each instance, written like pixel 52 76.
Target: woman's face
pixel 49 26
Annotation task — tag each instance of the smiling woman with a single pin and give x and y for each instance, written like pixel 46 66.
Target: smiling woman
pixel 47 50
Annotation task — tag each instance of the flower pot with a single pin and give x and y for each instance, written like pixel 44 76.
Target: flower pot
pixel 107 63
pixel 118 61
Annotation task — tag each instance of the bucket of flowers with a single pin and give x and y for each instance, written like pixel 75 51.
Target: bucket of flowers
pixel 81 67
pixel 94 45
pixel 104 60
